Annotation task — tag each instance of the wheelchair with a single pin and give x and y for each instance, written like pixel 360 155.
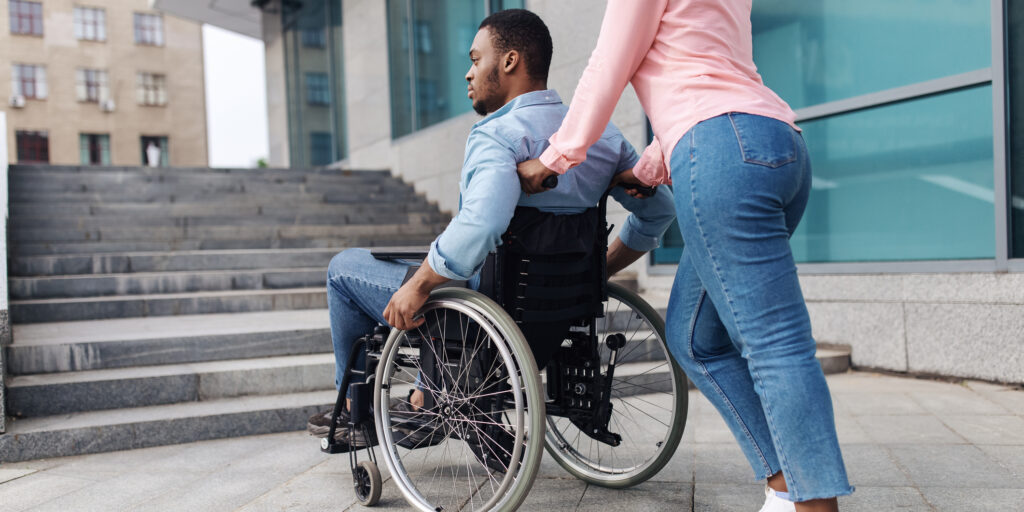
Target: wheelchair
pixel 610 407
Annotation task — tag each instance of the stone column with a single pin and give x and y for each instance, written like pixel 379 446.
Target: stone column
pixel 277 95
pixel 367 76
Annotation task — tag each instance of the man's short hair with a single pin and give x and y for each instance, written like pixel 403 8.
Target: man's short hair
pixel 524 32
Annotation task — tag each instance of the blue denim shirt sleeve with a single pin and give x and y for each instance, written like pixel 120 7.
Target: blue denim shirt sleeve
pixel 489 190
pixel 649 218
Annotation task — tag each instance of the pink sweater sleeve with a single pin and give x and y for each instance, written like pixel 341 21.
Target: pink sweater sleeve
pixel 627 33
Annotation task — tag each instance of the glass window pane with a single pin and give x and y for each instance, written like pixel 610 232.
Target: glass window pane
pixel 908 181
pixel 314 60
pixel 828 50
pixel 400 62
pixel 428 58
pixel 1015 91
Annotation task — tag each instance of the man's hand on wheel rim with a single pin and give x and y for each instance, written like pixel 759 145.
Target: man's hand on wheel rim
pixel 403 306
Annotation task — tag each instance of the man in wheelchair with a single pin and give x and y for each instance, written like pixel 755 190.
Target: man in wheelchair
pixel 510 57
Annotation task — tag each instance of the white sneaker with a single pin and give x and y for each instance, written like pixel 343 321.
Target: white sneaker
pixel 773 502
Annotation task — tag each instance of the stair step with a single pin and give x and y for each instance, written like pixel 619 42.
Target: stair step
pixel 170 261
pixel 96 308
pixel 282 172
pixel 243 197
pixel 164 219
pixel 212 244
pixel 101 285
pixel 57 393
pixel 19 211
pixel 125 342
pixel 226 233
pixel 104 431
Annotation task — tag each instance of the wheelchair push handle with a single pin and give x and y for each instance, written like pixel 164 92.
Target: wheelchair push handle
pixel 644 190
pixel 552 182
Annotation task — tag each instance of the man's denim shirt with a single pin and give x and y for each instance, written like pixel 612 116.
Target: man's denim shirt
pixel 489 188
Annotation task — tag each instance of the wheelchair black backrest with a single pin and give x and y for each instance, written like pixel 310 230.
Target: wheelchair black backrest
pixel 550 273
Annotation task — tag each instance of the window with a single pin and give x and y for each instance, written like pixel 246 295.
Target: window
pixel 94 148
pixel 149 29
pixel 427 46
pixel 909 177
pixel 91 85
pixel 318 91
pixel 151 89
pixel 320 148
pixel 26 17
pixel 155 151
pixel 1015 90
pixel 33 147
pixel 90 24
pixel 29 81
pixel 315 81
pixel 313 38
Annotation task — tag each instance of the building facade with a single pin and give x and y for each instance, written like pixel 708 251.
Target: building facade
pixel 110 82
pixel 912 248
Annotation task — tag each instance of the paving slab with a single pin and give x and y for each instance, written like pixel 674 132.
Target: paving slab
pixel 956 499
pixel 963 465
pixel 1006 430
pixel 877 499
pixel 921 429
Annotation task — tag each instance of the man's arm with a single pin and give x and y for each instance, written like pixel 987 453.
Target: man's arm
pixel 621 256
pixel 411 296
pixel 489 194
pixel 649 216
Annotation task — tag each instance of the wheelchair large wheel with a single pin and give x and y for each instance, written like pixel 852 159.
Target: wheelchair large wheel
pixel 648 398
pixel 476 443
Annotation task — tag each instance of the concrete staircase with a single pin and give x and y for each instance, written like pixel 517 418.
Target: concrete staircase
pixel 158 306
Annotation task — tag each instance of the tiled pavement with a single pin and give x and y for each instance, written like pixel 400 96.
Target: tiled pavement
pixel 909 444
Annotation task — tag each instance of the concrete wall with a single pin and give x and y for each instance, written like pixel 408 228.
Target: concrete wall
pixel 182 120
pixel 967 325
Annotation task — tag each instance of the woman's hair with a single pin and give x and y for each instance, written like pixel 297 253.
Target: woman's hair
pixel 524 32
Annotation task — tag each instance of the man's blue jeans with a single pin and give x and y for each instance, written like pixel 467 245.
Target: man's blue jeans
pixel 737 322
pixel 359 287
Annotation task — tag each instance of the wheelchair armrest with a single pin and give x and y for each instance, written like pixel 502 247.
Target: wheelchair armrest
pixel 416 253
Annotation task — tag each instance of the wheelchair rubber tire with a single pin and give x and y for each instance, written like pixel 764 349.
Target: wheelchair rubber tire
pixel 674 432
pixel 368 483
pixel 515 485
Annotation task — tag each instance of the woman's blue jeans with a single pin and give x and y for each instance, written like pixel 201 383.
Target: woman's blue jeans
pixel 737 322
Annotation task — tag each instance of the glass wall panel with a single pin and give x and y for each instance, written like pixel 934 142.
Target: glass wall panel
pixel 828 50
pixel 428 43
pixel 908 181
pixel 1015 73
pixel 315 81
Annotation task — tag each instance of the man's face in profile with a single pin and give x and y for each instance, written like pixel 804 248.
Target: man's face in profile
pixel 485 87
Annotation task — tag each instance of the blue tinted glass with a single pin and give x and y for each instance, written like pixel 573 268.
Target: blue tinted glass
pixel 909 181
pixel 828 50
pixel 1015 72
pixel 428 47
pixel 315 81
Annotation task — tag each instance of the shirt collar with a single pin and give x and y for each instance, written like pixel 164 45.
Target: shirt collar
pixel 545 97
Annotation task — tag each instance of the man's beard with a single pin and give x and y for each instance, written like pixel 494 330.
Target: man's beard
pixel 491 83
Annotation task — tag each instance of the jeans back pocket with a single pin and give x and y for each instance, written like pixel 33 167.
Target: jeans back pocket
pixel 764 140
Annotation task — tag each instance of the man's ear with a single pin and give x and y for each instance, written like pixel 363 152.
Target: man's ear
pixel 510 61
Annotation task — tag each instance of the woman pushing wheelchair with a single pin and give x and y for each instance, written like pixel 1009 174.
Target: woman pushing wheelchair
pixel 736 320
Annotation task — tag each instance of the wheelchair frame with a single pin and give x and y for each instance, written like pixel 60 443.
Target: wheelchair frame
pixel 581 393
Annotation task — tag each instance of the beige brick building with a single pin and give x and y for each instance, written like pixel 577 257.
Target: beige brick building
pixel 96 81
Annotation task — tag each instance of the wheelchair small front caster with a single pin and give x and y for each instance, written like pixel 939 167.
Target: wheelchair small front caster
pixel 368 484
